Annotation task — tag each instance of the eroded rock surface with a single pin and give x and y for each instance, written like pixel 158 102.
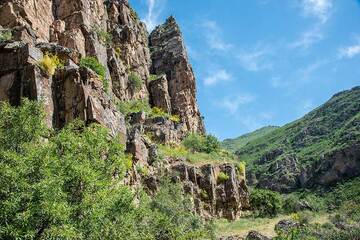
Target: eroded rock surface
pixel 169 57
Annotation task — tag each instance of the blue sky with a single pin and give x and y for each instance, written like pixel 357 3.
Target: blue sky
pixel 264 62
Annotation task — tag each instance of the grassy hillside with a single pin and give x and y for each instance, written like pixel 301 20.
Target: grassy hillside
pixel 239 142
pixel 333 126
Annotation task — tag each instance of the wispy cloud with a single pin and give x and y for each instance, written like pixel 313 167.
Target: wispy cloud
pixel 213 35
pixel 350 51
pixel 320 9
pixel 219 76
pixel 255 60
pixel 155 7
pixel 232 104
pixel 308 38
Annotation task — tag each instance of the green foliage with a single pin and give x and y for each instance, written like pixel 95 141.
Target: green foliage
pixel 5 35
pixel 348 191
pixel 236 144
pixel 241 168
pixel 106 85
pixel 93 64
pixel 104 36
pixel 195 157
pixel 222 177
pixel 126 107
pixel 68 186
pixel 135 81
pixel 50 63
pixel 331 127
pixel 153 77
pixel 198 143
pixel 265 203
pixel 142 105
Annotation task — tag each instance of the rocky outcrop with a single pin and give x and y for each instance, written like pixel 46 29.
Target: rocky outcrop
pixel 169 57
pixel 131 52
pixel 213 195
pixel 159 94
pixel 111 32
pixel 332 168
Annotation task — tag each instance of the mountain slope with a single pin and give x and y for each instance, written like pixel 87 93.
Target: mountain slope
pixel 319 149
pixel 239 142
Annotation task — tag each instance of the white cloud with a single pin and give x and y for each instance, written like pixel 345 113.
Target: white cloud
pixel 350 51
pixel 232 104
pixel 308 38
pixel 220 76
pixel 320 9
pixel 154 10
pixel 255 60
pixel 213 36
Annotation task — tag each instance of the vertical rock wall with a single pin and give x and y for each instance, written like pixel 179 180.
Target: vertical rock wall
pixel 169 57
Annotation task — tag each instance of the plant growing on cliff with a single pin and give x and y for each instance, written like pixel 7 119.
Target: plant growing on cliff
pixel 104 36
pixel 241 167
pixel 222 177
pixel 198 143
pixel 95 65
pixel 5 35
pixel 50 63
pixel 135 81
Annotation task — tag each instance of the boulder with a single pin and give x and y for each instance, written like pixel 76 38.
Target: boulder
pixel 253 235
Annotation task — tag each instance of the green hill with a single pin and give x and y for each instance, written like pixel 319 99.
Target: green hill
pixel 239 142
pixel 319 149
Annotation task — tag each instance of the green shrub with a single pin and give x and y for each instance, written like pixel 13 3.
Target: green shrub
pixel 291 203
pixel 143 170
pixel 106 85
pixel 50 63
pixel 198 143
pixel 5 35
pixel 241 167
pixel 93 64
pixel 153 77
pixel 175 118
pixel 135 81
pixel 104 36
pixel 132 106
pixel 222 177
pixel 265 203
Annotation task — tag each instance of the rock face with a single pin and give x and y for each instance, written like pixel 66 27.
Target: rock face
pixel 214 196
pixel 111 32
pixel 169 57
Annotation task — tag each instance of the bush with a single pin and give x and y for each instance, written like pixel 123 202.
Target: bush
pixel 222 177
pixel 5 35
pixel 198 143
pixel 135 81
pixel 50 63
pixel 153 77
pixel 104 36
pixel 265 203
pixel 132 106
pixel 175 118
pixel 93 64
pixel 241 167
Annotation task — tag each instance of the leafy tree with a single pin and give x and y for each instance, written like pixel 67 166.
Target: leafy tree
pixel 265 203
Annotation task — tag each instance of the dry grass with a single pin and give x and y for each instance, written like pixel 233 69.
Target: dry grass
pixel 264 226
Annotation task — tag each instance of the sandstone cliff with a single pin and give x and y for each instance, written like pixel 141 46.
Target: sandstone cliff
pixel 111 32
